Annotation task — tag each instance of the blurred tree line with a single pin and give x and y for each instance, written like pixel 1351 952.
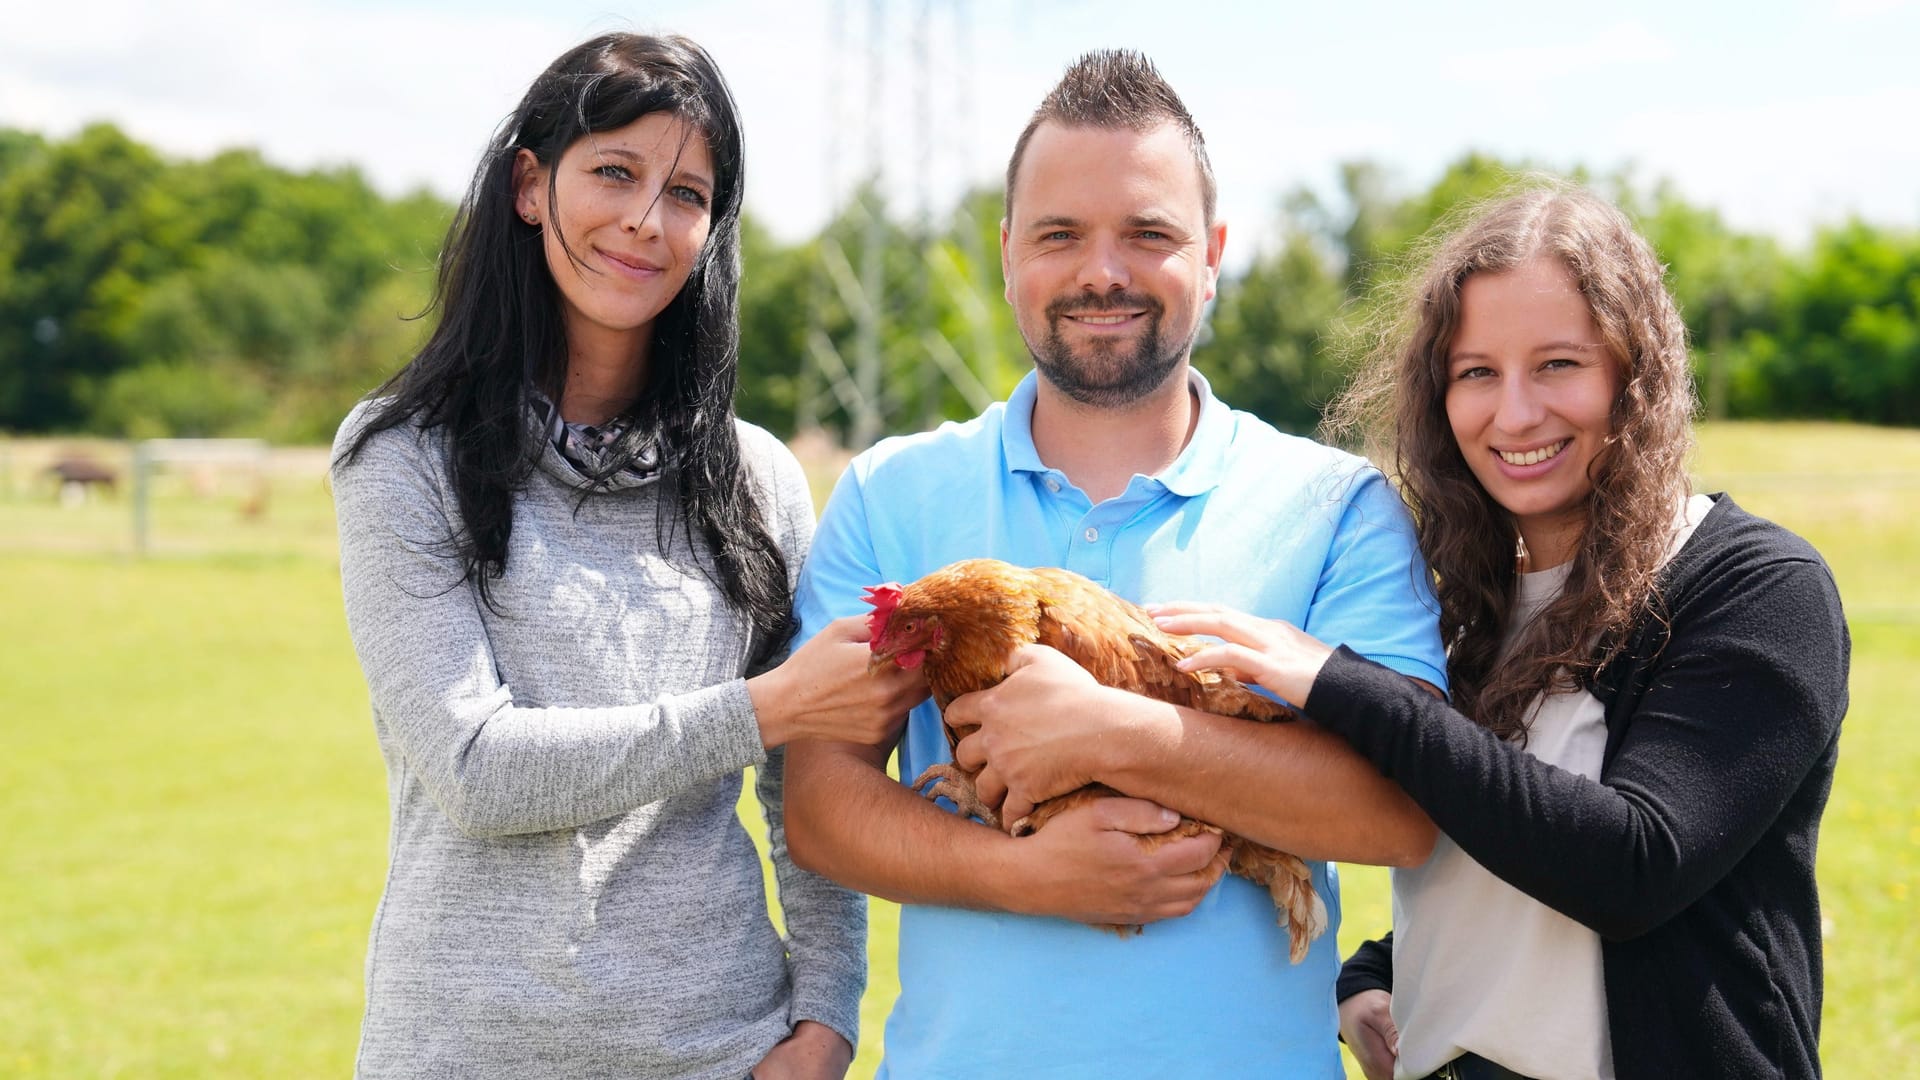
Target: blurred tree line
pixel 144 296
pixel 141 295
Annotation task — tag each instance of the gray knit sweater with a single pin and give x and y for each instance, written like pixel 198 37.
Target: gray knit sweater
pixel 570 892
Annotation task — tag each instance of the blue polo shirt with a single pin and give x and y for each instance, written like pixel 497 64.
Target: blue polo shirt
pixel 1246 516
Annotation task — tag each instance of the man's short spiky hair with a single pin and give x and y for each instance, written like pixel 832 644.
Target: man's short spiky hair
pixel 1116 88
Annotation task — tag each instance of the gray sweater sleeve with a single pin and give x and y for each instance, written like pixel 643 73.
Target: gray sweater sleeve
pixel 826 924
pixel 493 767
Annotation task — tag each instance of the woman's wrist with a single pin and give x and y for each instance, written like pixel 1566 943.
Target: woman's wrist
pixel 776 727
pixel 823 1035
pixel 1316 662
pixel 1330 689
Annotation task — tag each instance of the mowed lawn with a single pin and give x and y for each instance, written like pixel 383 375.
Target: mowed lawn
pixel 196 818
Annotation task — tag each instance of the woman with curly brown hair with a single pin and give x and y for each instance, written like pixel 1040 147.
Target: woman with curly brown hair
pixel 1647 687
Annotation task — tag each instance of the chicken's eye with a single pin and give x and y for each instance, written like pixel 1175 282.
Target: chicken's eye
pixel 913 625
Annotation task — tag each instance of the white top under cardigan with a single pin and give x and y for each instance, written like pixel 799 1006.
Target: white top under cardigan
pixel 1481 967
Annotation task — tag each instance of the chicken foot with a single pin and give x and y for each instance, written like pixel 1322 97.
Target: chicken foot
pixel 952 783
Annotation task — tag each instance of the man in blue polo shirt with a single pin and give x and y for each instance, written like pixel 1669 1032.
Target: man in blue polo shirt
pixel 1115 460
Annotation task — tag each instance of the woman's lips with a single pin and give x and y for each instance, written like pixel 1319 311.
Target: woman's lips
pixel 1534 456
pixel 631 266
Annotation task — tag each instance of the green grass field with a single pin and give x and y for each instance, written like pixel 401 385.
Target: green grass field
pixel 196 817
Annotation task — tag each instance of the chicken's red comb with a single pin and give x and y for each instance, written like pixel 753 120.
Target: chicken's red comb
pixel 884 599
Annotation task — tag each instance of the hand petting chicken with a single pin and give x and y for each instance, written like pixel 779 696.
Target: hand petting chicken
pixel 963 622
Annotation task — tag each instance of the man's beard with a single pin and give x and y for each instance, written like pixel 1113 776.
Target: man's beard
pixel 1111 374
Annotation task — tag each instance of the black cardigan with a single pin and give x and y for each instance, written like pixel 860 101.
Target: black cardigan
pixel 1693 855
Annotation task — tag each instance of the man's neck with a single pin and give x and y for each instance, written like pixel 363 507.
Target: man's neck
pixel 1101 449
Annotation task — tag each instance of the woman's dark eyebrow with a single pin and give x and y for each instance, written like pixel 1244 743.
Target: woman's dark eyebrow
pixel 640 159
pixel 1550 346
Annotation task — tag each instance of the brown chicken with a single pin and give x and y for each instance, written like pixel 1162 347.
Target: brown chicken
pixel 962 623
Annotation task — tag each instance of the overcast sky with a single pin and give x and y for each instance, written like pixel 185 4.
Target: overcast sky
pixel 1782 115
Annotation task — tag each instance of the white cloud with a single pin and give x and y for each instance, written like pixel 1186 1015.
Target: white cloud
pixel 1786 166
pixel 1868 9
pixel 306 86
pixel 411 95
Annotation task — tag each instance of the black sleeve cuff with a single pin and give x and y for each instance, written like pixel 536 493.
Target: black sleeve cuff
pixel 1369 968
pixel 1361 700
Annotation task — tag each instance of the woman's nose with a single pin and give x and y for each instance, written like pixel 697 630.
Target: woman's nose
pixel 1520 407
pixel 643 214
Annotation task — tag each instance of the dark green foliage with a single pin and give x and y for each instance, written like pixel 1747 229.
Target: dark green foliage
pixel 936 282
pixel 143 296
pixel 1849 334
pixel 74 236
pixel 1265 349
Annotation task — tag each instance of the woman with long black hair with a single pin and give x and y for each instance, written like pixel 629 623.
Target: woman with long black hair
pixel 568 569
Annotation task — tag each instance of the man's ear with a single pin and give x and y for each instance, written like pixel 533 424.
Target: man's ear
pixel 1216 244
pixel 1006 272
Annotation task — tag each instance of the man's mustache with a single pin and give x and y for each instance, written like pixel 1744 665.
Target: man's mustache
pixel 1101 305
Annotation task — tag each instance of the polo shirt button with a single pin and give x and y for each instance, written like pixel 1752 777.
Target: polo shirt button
pixel 1091 535
pixel 1052 484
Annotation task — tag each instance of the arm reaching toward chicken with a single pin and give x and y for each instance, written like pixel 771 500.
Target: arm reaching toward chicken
pixel 1277 655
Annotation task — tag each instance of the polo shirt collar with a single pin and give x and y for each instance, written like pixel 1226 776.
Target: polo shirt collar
pixel 1199 468
pixel 1016 427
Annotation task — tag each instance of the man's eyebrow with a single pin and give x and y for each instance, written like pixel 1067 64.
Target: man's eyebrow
pixel 1151 220
pixel 1054 221
pixel 1155 220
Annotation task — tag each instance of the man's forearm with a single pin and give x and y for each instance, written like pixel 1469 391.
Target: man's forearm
pixel 1291 786
pixel 849 821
